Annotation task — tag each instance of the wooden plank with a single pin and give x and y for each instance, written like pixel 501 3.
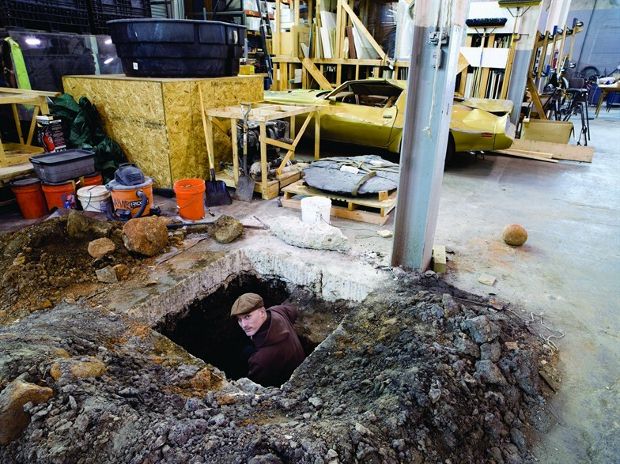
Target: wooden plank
pixel 524 154
pixel 558 150
pixel 263 156
pixel 316 74
pixel 235 149
pixel 34 93
pixel 18 125
pixel 291 150
pixel 10 172
pixel 536 98
pixel 362 30
pixel 317 134
pixel 440 262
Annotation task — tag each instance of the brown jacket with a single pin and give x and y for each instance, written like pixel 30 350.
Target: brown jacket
pixel 278 350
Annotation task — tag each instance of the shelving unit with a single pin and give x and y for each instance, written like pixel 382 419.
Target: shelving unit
pixel 301 57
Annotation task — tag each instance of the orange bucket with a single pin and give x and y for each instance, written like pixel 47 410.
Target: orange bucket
pixel 29 197
pixel 56 195
pixel 93 179
pixel 190 195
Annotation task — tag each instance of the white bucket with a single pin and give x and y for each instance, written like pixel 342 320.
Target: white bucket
pixel 93 198
pixel 315 210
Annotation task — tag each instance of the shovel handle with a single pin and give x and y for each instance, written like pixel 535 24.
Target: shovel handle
pixel 206 132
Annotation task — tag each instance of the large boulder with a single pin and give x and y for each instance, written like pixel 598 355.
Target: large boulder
pixel 13 418
pixel 147 236
pixel 299 234
pixel 81 226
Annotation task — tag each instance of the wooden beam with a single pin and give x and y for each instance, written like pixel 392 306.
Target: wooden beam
pixel 362 30
pixel 536 98
pixel 291 150
pixel 316 74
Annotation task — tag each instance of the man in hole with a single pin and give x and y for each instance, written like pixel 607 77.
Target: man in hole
pixel 276 350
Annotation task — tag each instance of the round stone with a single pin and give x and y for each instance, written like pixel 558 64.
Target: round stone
pixel 514 235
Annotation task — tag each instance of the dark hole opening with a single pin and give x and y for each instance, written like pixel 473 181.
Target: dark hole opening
pixel 207 331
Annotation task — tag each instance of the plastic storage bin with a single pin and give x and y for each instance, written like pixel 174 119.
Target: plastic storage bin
pixel 64 165
pixel 178 48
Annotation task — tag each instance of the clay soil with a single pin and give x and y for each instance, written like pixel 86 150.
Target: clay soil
pixel 43 265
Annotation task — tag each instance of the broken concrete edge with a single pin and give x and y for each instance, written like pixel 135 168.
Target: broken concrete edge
pixel 305 270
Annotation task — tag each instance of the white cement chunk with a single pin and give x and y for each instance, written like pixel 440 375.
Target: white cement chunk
pixel 318 237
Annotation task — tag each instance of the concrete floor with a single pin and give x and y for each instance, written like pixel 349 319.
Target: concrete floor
pixel 569 270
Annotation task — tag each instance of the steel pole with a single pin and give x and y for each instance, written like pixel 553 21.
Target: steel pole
pixel 437 38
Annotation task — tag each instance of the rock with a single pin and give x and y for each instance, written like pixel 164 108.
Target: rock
pixel 514 235
pixel 466 346
pixel 121 271
pixel 299 234
pixel 450 307
pixel 80 226
pixel 487 279
pixel 488 372
pixel 82 367
pixel 226 229
pixel 384 233
pixel 13 418
pixel 511 346
pixel 316 402
pixel 518 438
pixel 101 247
pixel 265 459
pixel 481 329
pixel 147 236
pixel 491 351
pixel 434 394
pixel 107 275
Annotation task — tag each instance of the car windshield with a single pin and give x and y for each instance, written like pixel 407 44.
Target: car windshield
pixel 378 94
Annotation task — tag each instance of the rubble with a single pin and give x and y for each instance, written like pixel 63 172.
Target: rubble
pixel 390 384
pixel 226 229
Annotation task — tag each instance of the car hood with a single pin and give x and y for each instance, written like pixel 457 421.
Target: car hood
pixel 296 97
pixel 495 106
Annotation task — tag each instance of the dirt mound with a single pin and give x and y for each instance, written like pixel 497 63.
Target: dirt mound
pixel 42 264
pixel 418 373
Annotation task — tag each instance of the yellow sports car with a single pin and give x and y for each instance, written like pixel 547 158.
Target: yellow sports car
pixel 371 112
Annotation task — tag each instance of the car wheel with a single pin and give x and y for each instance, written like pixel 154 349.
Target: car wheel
pixel 450 151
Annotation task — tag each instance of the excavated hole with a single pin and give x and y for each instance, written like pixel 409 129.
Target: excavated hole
pixel 206 330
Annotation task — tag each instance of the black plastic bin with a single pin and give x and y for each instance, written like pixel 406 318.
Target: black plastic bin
pixel 178 48
pixel 64 165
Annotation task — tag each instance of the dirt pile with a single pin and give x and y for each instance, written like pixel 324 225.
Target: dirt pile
pixel 418 373
pixel 44 263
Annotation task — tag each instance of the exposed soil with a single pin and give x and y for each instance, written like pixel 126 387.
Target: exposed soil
pixel 418 373
pixel 43 265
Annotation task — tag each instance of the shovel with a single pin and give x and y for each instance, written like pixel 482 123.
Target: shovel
pixel 245 185
pixel 216 189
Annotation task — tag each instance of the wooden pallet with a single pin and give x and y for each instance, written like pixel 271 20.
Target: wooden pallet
pixel 377 208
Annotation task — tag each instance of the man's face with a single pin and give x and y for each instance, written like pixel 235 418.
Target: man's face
pixel 251 322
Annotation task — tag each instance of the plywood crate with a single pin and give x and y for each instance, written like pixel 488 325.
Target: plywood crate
pixel 157 121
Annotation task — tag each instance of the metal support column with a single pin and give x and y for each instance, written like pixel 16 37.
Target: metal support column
pixel 437 37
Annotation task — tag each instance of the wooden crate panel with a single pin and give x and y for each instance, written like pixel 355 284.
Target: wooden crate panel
pixel 157 121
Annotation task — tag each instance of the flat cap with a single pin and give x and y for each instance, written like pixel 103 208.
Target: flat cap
pixel 246 303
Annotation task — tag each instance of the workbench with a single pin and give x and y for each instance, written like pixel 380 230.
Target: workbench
pixel 19 153
pixel 606 90
pixel 262 113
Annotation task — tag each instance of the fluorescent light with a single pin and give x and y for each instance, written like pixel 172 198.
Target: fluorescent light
pixel 33 41
pixel 108 60
pixel 107 41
